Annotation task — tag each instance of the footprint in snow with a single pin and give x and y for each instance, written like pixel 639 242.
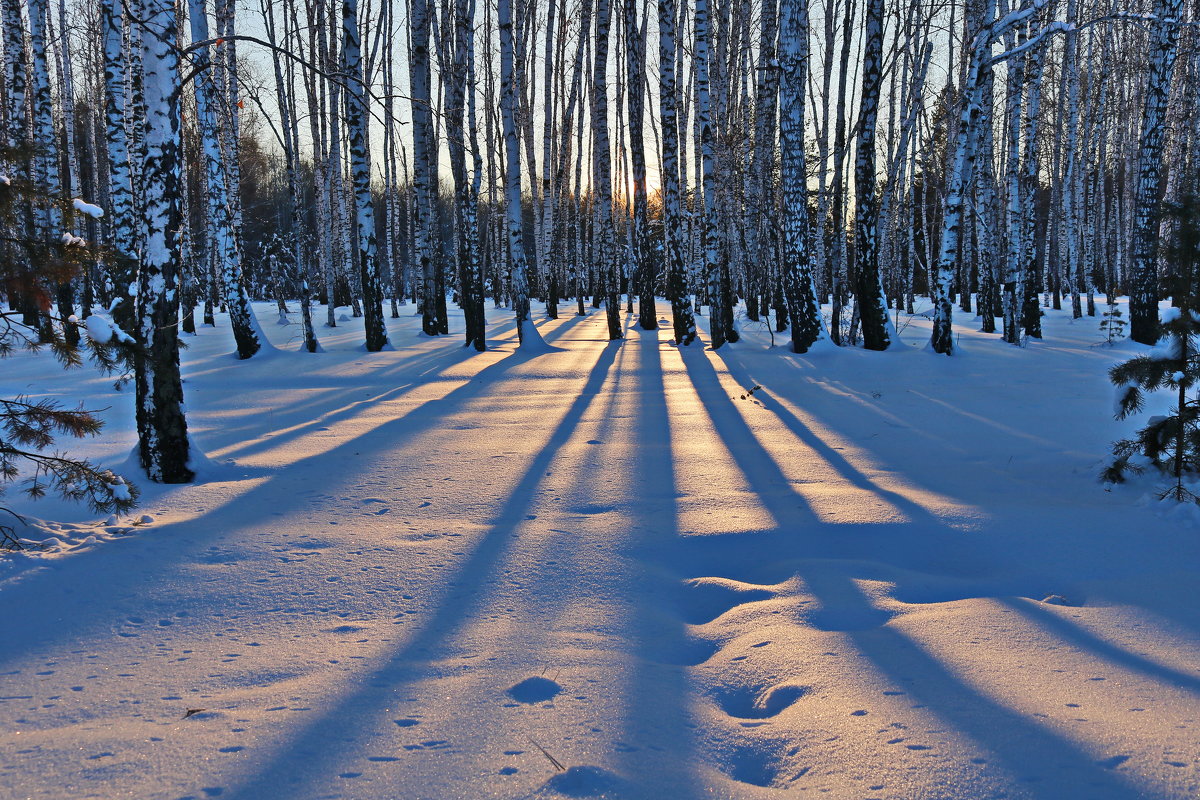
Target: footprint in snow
pixel 753 765
pixel 534 690
pixel 759 703
pixel 586 781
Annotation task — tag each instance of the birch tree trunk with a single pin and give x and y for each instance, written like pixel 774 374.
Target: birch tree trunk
pixel 287 116
pixel 123 255
pixel 360 165
pixel 527 332
pixel 465 193
pixel 876 327
pixel 46 169
pixel 1031 313
pixel 704 125
pixel 683 321
pixel 423 178
pixel 163 445
pixel 1143 296
pixel 803 310
pixel 643 272
pixel 15 83
pixel 222 236
pixel 602 173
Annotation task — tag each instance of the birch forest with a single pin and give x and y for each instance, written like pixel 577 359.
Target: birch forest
pixel 626 399
pixel 825 169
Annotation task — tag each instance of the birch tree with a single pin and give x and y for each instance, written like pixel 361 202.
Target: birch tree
pixel 682 320
pixel 360 166
pixel 876 327
pixel 1143 299
pixel 163 445
pixel 526 330
pixel 803 310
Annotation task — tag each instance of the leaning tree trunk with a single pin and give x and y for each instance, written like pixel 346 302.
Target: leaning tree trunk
pixel 224 173
pixel 221 236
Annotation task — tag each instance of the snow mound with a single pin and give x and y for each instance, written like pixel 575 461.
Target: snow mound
pixel 531 339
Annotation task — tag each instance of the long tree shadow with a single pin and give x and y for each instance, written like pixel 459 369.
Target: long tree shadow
pixel 796 523
pixel 1103 650
pixel 298 418
pixel 656 699
pixel 455 608
pixel 1047 765
pixel 1059 766
pixel 83 611
pixel 971 554
pixel 846 470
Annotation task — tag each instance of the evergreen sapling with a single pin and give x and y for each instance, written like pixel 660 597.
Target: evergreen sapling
pixel 1112 325
pixel 1170 443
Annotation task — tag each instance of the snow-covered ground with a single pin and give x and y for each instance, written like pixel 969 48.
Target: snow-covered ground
pixel 612 570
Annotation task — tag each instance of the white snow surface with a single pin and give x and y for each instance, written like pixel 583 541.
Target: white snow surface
pixel 92 210
pixel 103 330
pixel 428 573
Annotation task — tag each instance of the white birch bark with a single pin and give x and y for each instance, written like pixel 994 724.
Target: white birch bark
pixel 804 312
pixel 876 327
pixel 163 445
pixel 1143 298
pixel 683 320
pixel 527 332
pixel 607 259
pixel 360 165
pixel 222 235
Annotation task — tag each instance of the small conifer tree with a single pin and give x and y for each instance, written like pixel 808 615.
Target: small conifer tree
pixel 32 261
pixel 1170 443
pixel 1112 324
